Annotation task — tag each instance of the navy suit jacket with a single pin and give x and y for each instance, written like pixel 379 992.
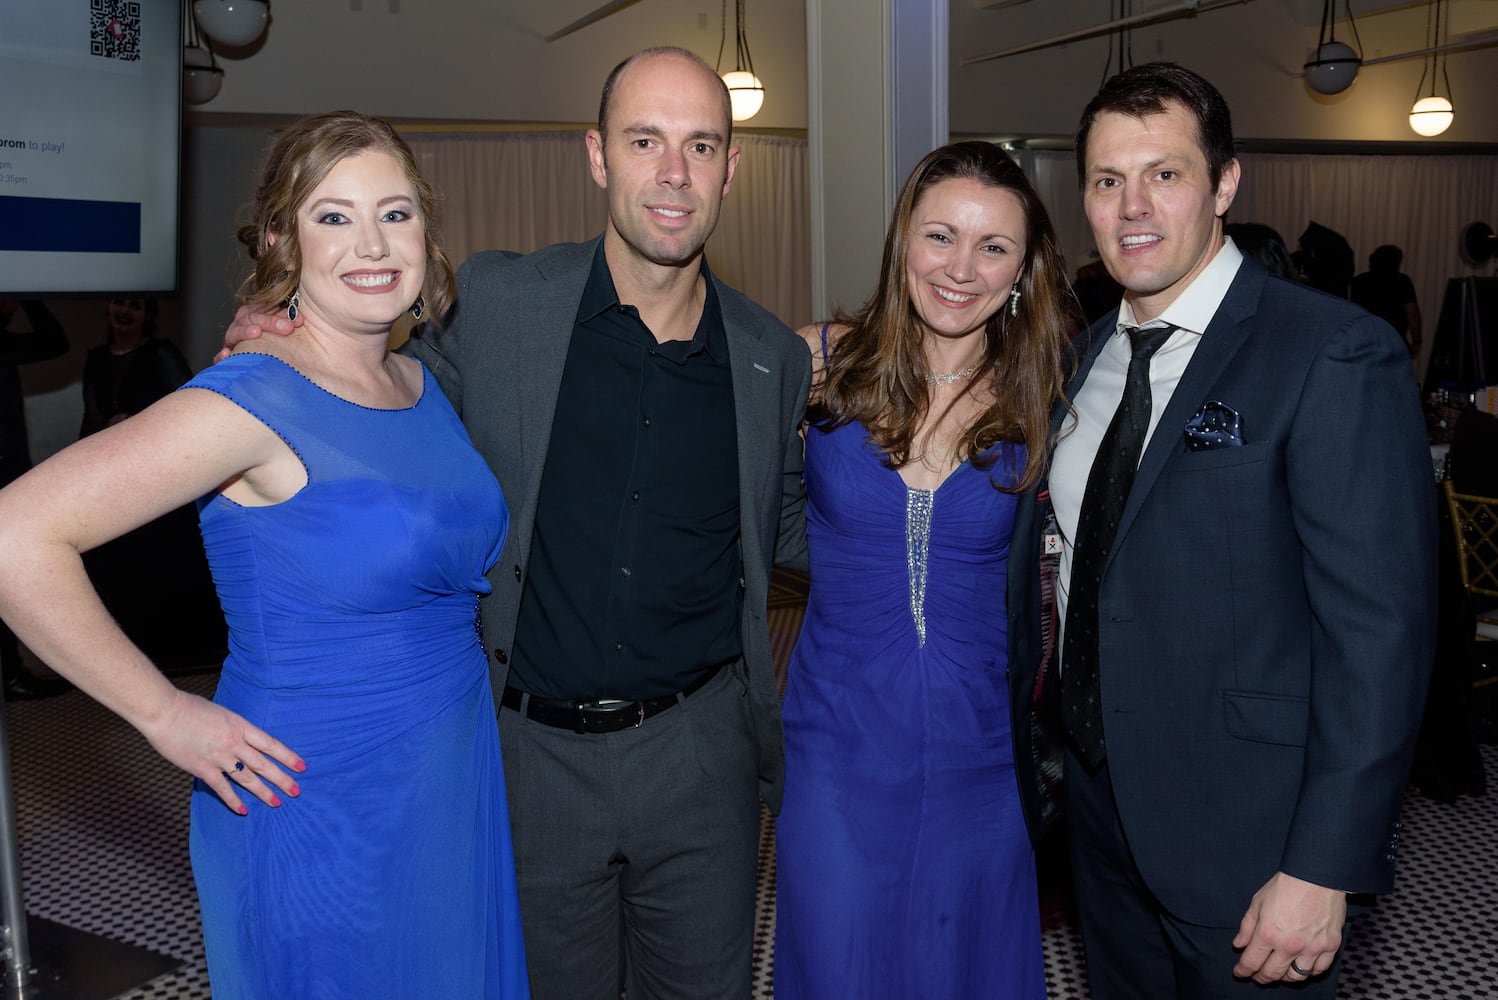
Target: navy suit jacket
pixel 1267 612
pixel 500 359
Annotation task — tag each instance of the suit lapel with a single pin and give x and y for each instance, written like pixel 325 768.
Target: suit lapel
pixel 1220 342
pixel 1088 345
pixel 754 408
pixel 545 303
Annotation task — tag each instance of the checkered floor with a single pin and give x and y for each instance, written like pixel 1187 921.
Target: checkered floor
pixel 102 826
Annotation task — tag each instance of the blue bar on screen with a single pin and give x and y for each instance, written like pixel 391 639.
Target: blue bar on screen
pixel 69 225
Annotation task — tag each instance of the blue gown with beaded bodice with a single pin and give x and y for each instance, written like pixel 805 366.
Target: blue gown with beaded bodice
pixel 903 865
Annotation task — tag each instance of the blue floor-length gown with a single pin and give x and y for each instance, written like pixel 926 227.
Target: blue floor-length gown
pixel 903 865
pixel 352 631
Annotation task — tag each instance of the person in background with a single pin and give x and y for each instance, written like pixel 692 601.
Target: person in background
pixel 1096 291
pixel 132 369
pixel 903 865
pixel 154 580
pixel 1389 294
pixel 1265 245
pixel 350 523
pixel 1241 525
pixel 45 341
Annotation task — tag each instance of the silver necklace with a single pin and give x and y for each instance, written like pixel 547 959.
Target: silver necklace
pixel 947 378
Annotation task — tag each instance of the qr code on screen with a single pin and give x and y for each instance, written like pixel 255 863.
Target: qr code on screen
pixel 114 29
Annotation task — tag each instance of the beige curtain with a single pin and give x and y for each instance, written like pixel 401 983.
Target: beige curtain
pixel 525 190
pixel 1419 203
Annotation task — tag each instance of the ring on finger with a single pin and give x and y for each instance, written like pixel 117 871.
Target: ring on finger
pixel 1298 970
pixel 239 766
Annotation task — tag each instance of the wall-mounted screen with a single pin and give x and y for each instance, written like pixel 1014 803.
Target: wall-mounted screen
pixel 90 130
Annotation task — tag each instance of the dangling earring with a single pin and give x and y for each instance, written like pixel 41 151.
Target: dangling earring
pixel 1014 301
pixel 294 306
pixel 418 307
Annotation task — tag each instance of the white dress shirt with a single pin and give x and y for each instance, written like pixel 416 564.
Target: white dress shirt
pixel 1100 394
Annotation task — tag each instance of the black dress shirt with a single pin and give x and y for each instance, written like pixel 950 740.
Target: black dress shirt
pixel 634 587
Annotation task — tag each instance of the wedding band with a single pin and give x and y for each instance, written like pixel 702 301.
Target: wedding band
pixel 1298 969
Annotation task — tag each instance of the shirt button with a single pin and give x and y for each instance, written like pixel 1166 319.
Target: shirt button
pixel 618 647
pixel 652 352
pixel 624 571
pixel 646 421
pixel 635 495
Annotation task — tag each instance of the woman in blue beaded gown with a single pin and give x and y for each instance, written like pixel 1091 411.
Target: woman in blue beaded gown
pixel 903 864
pixel 349 524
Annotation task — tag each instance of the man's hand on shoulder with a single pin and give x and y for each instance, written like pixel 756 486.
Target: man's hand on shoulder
pixel 250 323
pixel 1292 931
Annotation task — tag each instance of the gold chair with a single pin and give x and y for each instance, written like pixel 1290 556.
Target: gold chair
pixel 1475 521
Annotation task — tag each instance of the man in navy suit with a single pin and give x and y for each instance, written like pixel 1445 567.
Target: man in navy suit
pixel 1247 631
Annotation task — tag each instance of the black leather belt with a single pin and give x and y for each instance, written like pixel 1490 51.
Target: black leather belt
pixel 598 716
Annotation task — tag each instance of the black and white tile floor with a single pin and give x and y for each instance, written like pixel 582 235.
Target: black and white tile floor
pixel 102 826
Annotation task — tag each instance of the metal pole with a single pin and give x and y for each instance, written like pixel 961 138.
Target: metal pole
pixel 1186 8
pixel 16 947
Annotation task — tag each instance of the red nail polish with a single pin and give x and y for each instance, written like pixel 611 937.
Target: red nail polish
pixel 301 765
pixel 275 800
pixel 243 810
pixel 294 790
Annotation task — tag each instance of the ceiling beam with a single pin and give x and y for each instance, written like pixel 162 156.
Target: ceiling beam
pixel 612 7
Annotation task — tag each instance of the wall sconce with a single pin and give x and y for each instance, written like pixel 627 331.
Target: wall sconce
pixel 201 77
pixel 745 92
pixel 232 22
pixel 1433 114
pixel 1333 65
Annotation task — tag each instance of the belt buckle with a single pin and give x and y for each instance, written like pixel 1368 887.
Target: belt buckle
pixel 606 707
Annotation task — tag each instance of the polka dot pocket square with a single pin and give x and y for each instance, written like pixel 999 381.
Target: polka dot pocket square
pixel 1215 425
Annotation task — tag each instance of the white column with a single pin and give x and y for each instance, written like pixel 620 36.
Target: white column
pixel 877 92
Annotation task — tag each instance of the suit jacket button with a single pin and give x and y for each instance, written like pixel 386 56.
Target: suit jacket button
pixel 501 655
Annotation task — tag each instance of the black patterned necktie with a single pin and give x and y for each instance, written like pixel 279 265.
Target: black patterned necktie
pixel 1103 502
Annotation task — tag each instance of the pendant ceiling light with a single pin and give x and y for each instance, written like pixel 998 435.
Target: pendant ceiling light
pixel 201 77
pixel 1333 65
pixel 1433 113
pixel 745 92
pixel 232 22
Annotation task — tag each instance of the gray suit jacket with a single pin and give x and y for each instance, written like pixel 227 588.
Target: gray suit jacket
pixel 500 359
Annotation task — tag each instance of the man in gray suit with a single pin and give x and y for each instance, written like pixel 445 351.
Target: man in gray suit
pixel 642 418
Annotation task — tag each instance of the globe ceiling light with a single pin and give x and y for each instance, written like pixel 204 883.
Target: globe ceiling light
pixel 1431 116
pixel 232 22
pixel 745 93
pixel 1333 65
pixel 201 79
pixel 1332 68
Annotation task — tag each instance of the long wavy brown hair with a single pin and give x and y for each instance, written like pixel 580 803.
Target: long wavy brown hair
pixel 877 372
pixel 299 160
